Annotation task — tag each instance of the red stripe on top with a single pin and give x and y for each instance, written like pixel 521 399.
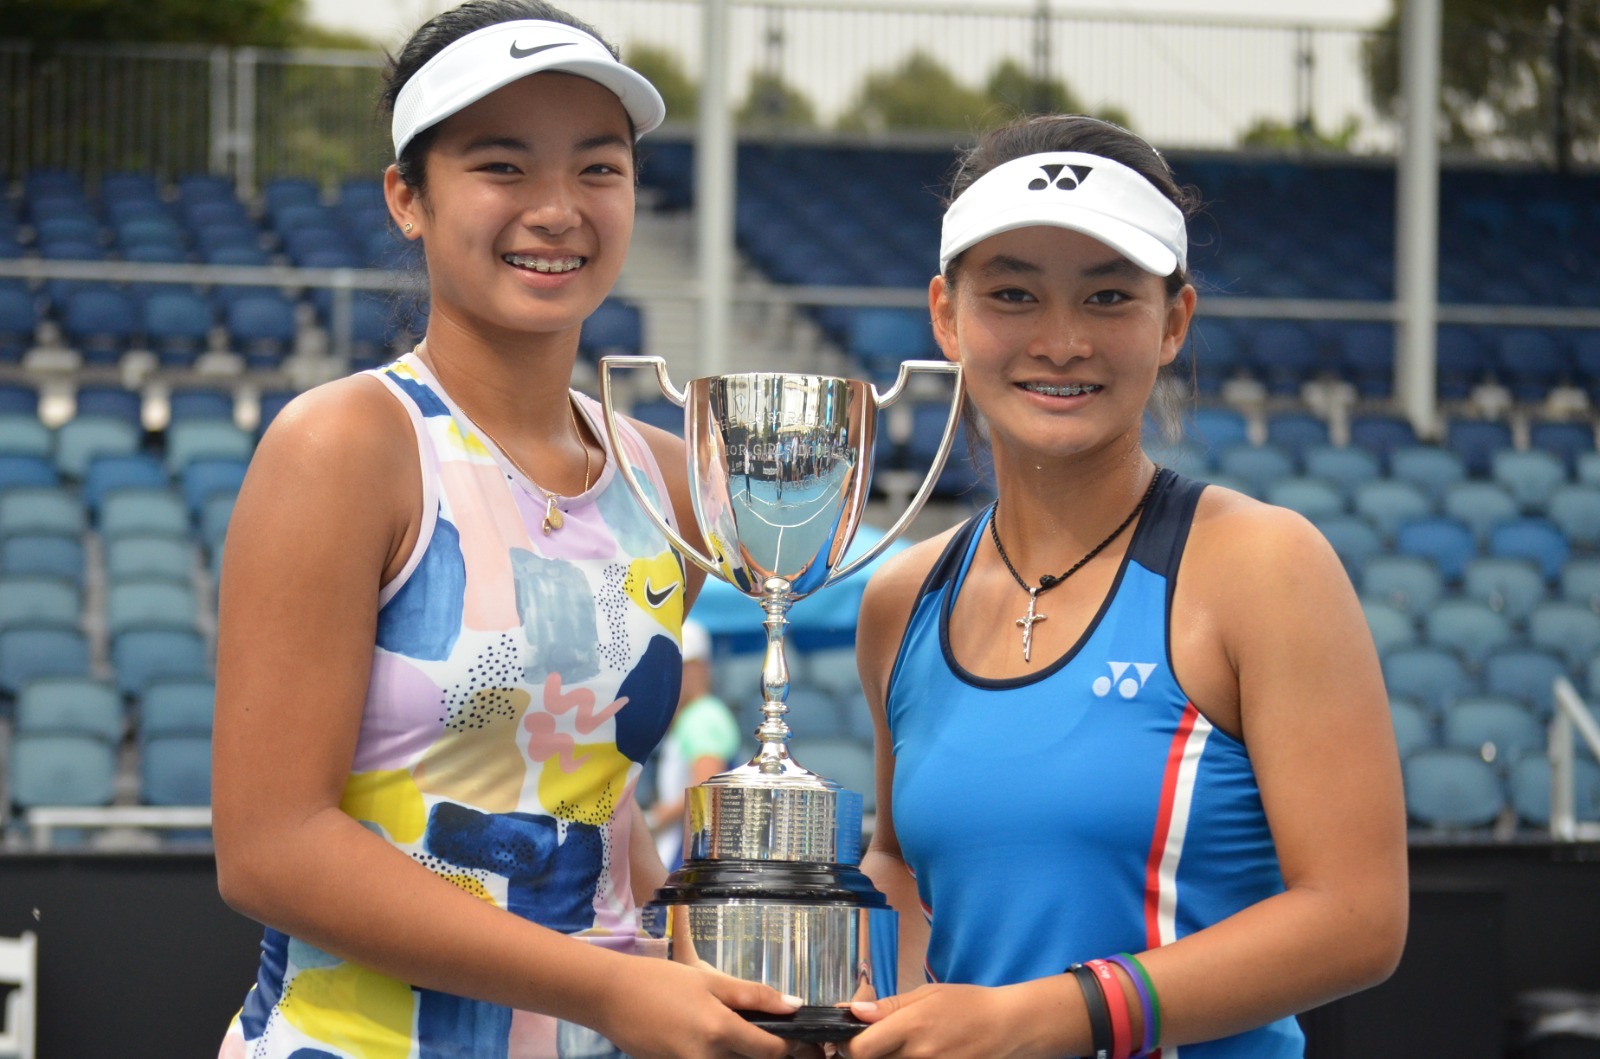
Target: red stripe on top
pixel 1158 841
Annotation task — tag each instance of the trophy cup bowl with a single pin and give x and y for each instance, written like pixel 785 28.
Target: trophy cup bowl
pixel 770 891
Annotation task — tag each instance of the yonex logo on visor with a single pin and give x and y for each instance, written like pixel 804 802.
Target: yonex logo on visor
pixel 1053 175
pixel 1118 207
pixel 466 70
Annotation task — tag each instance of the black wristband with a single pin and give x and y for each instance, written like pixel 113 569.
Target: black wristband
pixel 1100 1039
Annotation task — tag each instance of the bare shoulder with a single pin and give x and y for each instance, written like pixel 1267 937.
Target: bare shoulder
pixel 355 416
pixel 1236 531
pixel 886 608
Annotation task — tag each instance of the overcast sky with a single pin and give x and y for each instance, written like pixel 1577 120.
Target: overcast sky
pixel 388 21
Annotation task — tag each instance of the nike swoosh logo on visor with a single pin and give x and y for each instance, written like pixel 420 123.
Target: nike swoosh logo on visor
pixel 523 53
pixel 654 598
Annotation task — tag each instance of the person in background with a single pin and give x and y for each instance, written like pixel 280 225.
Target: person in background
pixel 449 636
pixel 703 741
pixel 1137 783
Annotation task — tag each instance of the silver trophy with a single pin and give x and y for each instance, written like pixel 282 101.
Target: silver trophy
pixel 770 891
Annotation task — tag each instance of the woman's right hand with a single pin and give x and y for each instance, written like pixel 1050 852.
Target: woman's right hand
pixel 661 1009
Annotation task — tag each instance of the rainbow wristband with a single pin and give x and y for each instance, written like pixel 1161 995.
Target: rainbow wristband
pixel 1149 1002
pixel 1117 1005
pixel 1100 1039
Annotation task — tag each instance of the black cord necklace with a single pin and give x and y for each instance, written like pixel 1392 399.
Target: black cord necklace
pixel 1049 581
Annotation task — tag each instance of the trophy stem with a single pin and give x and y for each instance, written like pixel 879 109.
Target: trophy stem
pixel 773 732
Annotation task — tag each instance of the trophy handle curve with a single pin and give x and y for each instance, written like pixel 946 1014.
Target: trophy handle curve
pixel 942 367
pixel 614 437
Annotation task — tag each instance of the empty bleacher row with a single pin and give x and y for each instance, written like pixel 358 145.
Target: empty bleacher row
pixel 1478 567
pixel 201 220
pixel 110 538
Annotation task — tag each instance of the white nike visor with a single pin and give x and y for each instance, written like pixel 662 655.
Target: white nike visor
pixel 1086 193
pixel 466 70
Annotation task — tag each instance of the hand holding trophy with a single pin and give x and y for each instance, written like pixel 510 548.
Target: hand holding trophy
pixel 779 470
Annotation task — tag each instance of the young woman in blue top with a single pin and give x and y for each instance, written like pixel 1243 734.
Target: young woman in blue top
pixel 449 638
pixel 1137 785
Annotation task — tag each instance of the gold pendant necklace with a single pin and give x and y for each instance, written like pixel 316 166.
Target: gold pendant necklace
pixel 553 518
pixel 1049 581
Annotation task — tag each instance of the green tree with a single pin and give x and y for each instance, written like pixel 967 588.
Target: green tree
pixel 266 23
pixel 1519 78
pixel 665 71
pixel 1012 87
pixel 1277 135
pixel 918 94
pixel 773 103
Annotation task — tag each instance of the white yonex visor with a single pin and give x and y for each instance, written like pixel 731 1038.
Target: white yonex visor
pixel 1084 192
pixel 468 69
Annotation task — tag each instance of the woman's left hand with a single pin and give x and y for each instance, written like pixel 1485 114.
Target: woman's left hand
pixel 952 1022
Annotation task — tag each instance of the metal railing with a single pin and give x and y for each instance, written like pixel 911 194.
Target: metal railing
pixel 1571 714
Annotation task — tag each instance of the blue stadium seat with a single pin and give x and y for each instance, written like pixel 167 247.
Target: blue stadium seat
pixel 40 509
pixel 615 326
pixel 33 601
pixel 72 706
pixel 200 403
pixel 1389 504
pixel 1413 728
pixel 1565 440
pixel 142 656
pixel 1452 789
pixel 1530 476
pixel 52 554
pixel 1469 628
pixel 1461 361
pixel 177 707
pixel 1315 498
pixel 1431 675
pixel 18 471
pixel 189 440
pixel 1530 361
pixel 149 556
pixel 150 603
pixel 1346 466
pixel 19 322
pixel 1509 586
pixel 1526 674
pixel 1390 626
pixel 108 473
pixel 1408 583
pixel 21 434
pixel 879 339
pixel 1575 509
pixel 205 477
pixel 1533 538
pixel 1529 785
pixel 1258 466
pixel 175 770
pixel 1448 541
pixel 1218 428
pixel 1428 467
pixel 18 398
pixel 1476 441
pixel 1580 582
pixel 1296 432
pixel 1481 505
pixel 1365 354
pixel 28 654
pixel 1381 434
pixel 112 402
pixel 100 322
pixel 1354 540
pixel 177 325
pixel 261 326
pixel 1570 630
pixel 1498 728
pixel 1284 355
pixel 142 511
pixel 83 439
pixel 61 770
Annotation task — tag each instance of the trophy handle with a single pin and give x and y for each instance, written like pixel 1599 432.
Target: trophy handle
pixel 943 367
pixel 614 437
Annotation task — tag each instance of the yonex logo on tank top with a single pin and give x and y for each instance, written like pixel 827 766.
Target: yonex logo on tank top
pixel 1065 181
pixel 1127 686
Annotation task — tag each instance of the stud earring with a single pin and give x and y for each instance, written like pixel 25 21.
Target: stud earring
pixel 408 227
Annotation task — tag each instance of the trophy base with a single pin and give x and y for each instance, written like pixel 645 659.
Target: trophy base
pixel 813 1025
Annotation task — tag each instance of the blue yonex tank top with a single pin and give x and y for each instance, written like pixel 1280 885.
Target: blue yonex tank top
pixel 1085 810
